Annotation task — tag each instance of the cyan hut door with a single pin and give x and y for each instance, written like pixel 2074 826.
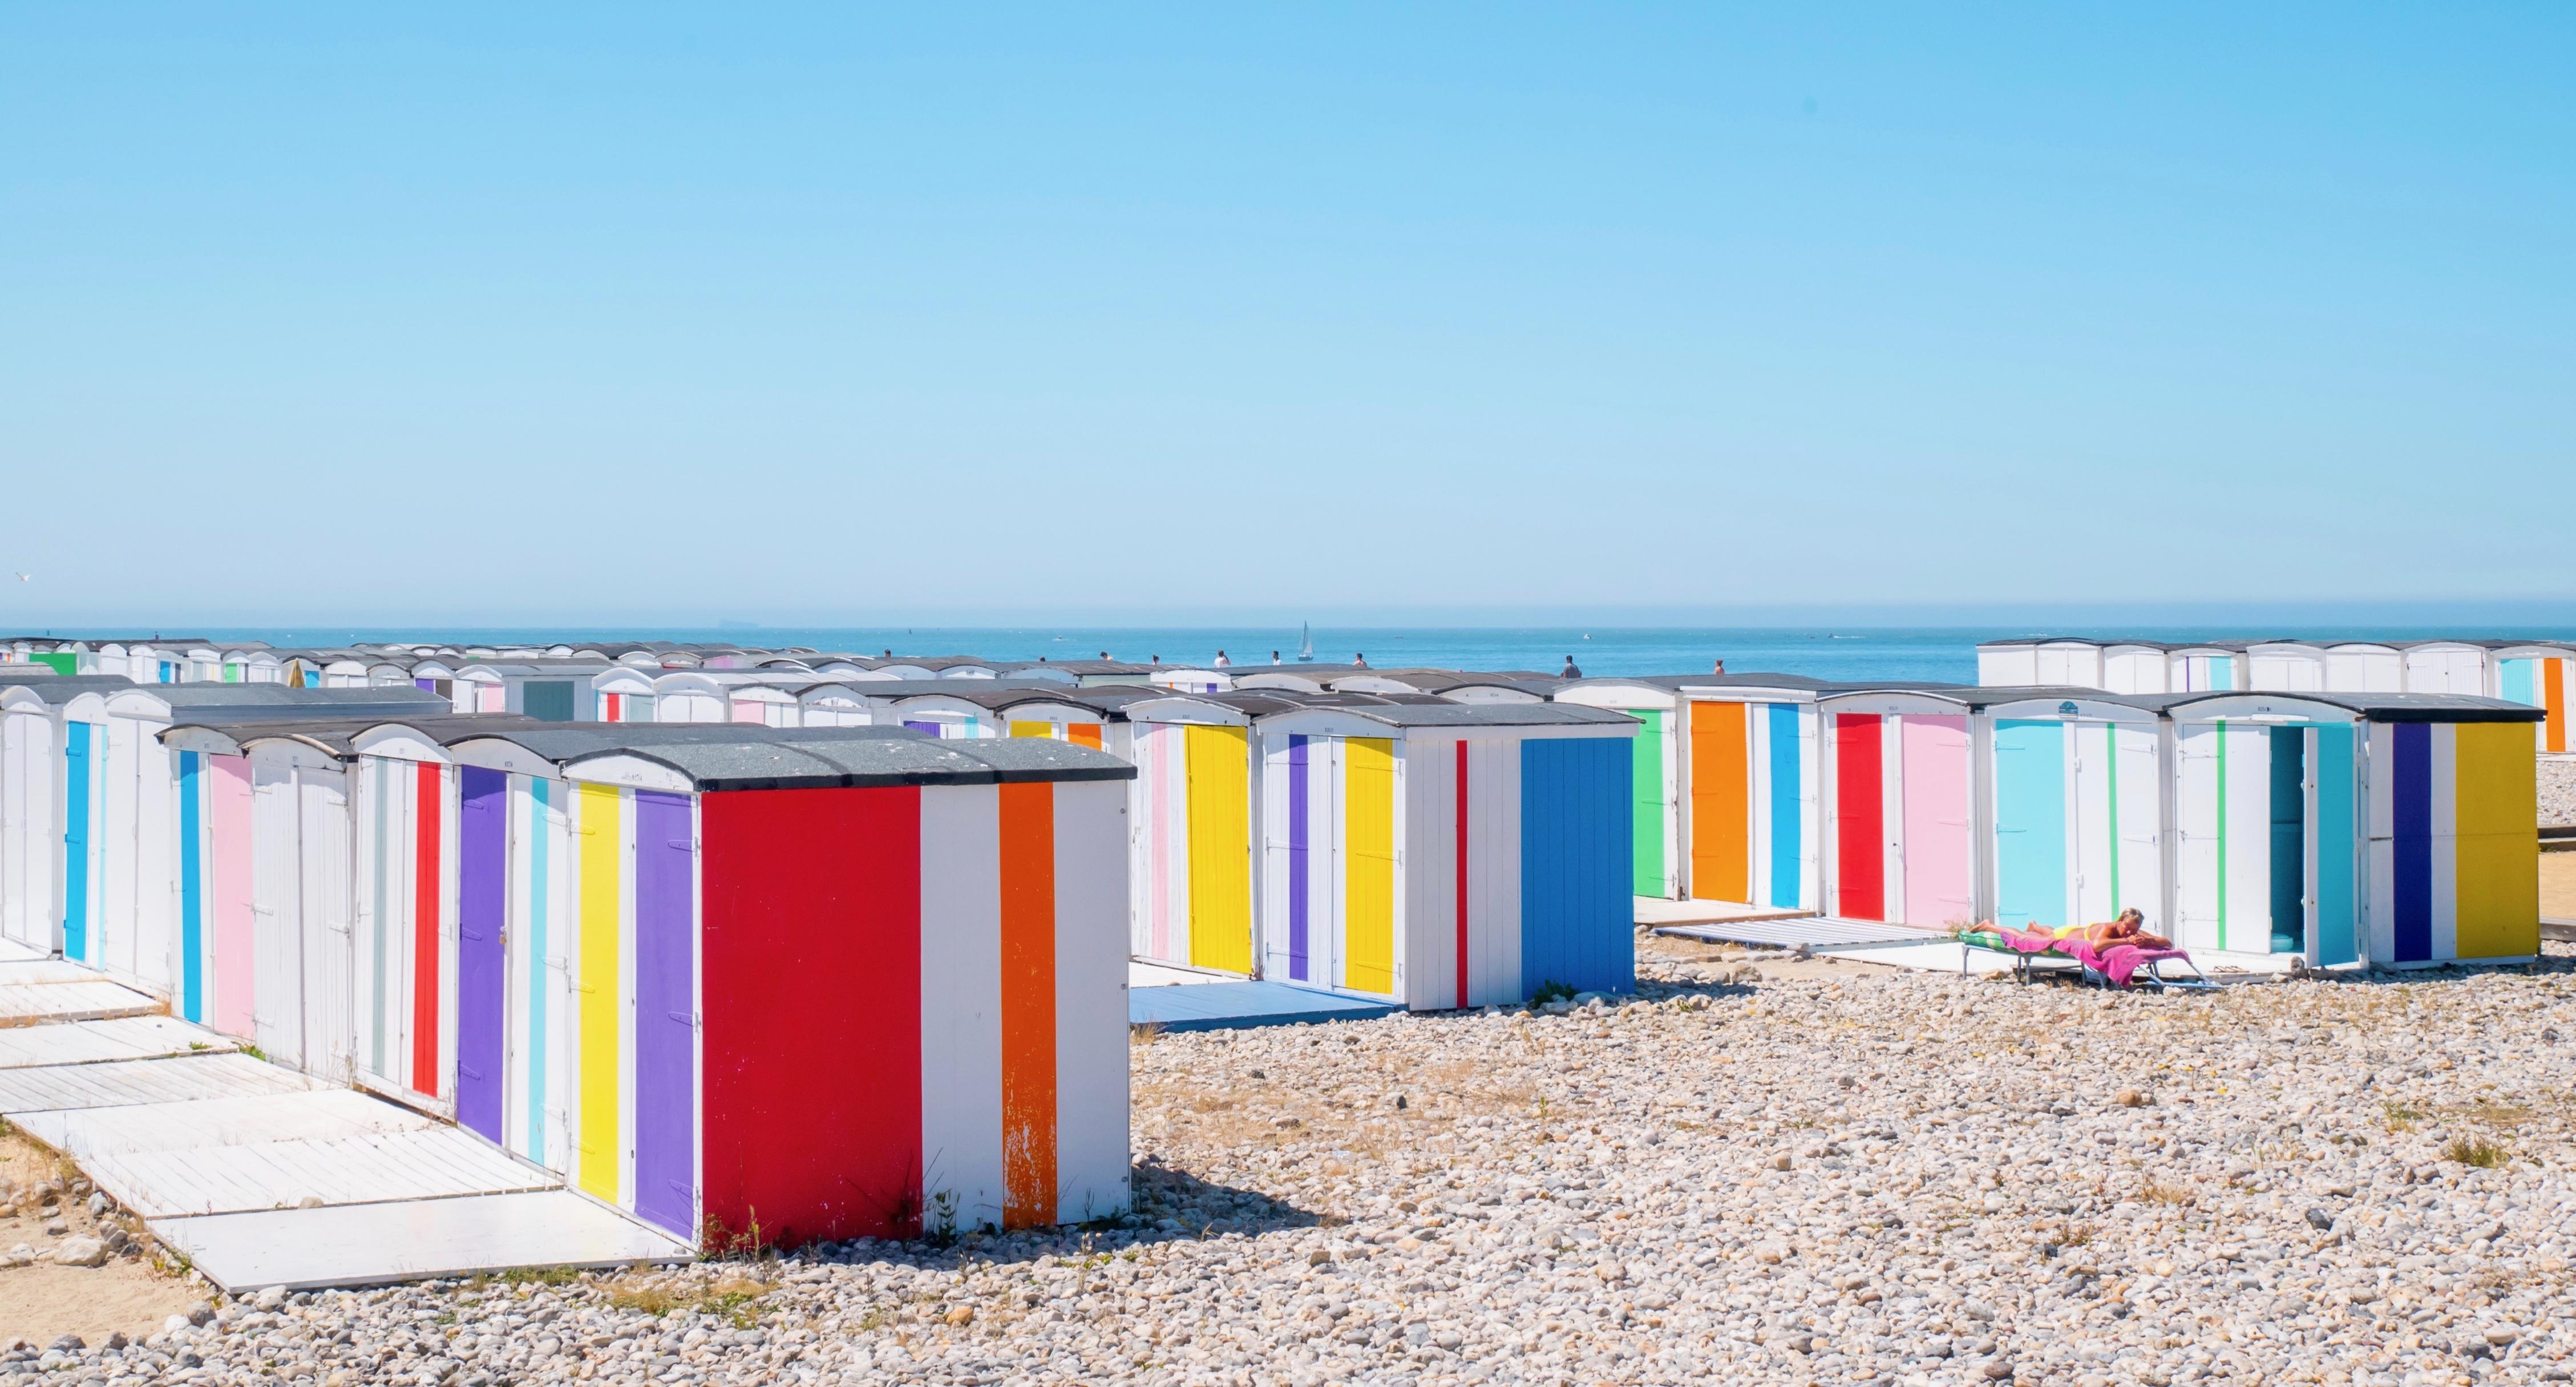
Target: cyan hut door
pixel 2030 823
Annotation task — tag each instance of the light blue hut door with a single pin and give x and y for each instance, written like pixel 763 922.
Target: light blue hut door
pixel 2030 823
pixel 77 781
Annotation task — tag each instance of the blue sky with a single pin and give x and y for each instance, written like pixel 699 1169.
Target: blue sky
pixel 626 312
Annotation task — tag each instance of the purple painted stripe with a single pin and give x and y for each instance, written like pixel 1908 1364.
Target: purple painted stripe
pixel 482 884
pixel 1297 882
pixel 2412 803
pixel 666 1014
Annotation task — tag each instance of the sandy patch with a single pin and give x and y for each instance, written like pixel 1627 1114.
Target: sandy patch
pixel 2558 884
pixel 41 1302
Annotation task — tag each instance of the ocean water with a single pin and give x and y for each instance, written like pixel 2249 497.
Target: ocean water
pixel 1858 653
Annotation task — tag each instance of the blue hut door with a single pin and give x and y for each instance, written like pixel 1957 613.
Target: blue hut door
pixel 76 836
pixel 2030 823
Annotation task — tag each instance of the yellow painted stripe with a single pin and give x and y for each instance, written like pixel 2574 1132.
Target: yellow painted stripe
pixel 2497 853
pixel 602 852
pixel 1368 887
pixel 1220 794
pixel 1033 729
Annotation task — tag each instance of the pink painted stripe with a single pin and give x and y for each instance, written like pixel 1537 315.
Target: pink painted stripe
pixel 228 816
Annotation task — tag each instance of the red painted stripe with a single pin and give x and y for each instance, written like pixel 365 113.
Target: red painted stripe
pixel 1030 1192
pixel 1860 844
pixel 426 880
pixel 811 946
pixel 1462 874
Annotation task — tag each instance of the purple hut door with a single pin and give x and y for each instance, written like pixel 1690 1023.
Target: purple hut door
pixel 482 884
pixel 666 1014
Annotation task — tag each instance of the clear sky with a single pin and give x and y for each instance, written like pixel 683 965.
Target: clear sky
pixel 846 314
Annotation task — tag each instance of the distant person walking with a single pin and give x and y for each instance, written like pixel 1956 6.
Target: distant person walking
pixel 1570 672
pixel 1274 657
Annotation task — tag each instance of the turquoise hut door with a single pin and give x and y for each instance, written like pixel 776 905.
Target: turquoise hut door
pixel 2030 823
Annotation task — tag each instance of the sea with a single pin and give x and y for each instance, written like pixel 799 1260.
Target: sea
pixel 1860 653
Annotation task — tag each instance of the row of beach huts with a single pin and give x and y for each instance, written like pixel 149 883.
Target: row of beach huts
pixel 832 943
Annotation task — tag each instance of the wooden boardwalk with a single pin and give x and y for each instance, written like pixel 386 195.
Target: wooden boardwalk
pixel 264 1176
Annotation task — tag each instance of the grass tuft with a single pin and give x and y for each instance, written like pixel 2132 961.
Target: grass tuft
pixel 2476 1151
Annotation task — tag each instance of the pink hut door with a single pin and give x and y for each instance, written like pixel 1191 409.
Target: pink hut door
pixel 1940 858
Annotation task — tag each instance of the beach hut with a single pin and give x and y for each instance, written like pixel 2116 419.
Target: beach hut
pixel 2539 676
pixel 1186 679
pixel 2204 668
pixel 2054 661
pixel 672 922
pixel 1093 717
pixel 37 847
pixel 1896 779
pixel 267 902
pixel 1658 781
pixel 2364 667
pixel 2447 667
pixel 1192 828
pixel 1751 795
pixel 120 904
pixel 1437 855
pixel 689 696
pixel 2074 794
pixel 2285 667
pixel 2392 829
pixel 2136 667
pixel 832 704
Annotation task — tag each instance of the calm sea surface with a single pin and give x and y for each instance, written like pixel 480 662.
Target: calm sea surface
pixel 1859 653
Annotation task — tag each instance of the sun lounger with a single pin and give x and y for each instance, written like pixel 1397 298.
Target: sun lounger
pixel 2121 966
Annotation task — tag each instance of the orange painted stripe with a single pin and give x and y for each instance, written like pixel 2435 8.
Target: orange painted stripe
pixel 1028 1005
pixel 1087 733
pixel 2553 684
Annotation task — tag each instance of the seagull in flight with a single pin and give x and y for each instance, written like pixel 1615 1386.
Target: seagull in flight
pixel 23 577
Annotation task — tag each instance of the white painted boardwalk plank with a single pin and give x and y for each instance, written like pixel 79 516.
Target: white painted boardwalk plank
pixel 11 951
pixel 38 1003
pixel 381 1167
pixel 85 1132
pixel 16 972
pixel 90 1042
pixel 55 1086
pixel 371 1244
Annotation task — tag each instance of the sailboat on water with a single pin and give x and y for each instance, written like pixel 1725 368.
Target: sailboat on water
pixel 1305 644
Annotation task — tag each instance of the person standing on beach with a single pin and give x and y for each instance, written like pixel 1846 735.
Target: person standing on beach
pixel 1570 672
pixel 1359 661
pixel 1221 660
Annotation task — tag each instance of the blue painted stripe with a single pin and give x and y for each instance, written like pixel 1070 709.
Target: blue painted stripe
pixel 1298 885
pixel 540 845
pixel 1576 861
pixel 1788 846
pixel 2338 908
pixel 192 889
pixel 76 828
pixel 2411 803
pixel 2030 823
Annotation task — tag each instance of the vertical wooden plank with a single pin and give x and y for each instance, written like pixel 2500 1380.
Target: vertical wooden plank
pixel 192 892
pixel 601 833
pixel 79 774
pixel 964 1184
pixel 2411 840
pixel 1220 835
pixel 231 850
pixel 1368 803
pixel 1090 1001
pixel 1860 828
pixel 1298 866
pixel 1721 803
pixel 1029 990
pixel 1793 795
pixel 804 891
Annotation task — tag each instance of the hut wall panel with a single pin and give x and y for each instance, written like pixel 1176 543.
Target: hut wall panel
pixel 665 1063
pixel 30 846
pixel 1302 881
pixel 1891 814
pixel 260 974
pixel 963 1182
pixel 1220 848
pixel 1721 797
pixel 2030 823
pixel 1860 829
pixel 194 937
pixel 155 862
pixel 1091 1150
pixel 2290 859
pixel 432 1033
pixel 1433 904
pixel 118 877
pixel 2196 822
pixel 2139 799
pixel 1940 847
pixel 2093 801
pixel 1796 852
pixel 2245 844
pixel 384 862
pixel 330 958
pixel 1162 874
pixel 482 972
pixel 805 890
pixel 2011 667
pixel 1649 785
pixel 1493 835
pixel 1576 914
pixel 1368 864
pixel 1026 860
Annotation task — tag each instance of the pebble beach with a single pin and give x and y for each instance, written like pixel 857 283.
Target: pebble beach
pixel 1758 1169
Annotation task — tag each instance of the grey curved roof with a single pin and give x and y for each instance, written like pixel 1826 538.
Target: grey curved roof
pixel 737 756
pixel 1443 713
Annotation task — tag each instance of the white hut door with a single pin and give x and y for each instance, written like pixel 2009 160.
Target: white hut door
pixel 2139 797
pixel 2093 770
pixel 121 848
pixel 276 928
pixel 329 933
pixel 2196 816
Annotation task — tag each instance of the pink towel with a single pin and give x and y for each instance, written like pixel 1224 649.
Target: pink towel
pixel 2120 962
